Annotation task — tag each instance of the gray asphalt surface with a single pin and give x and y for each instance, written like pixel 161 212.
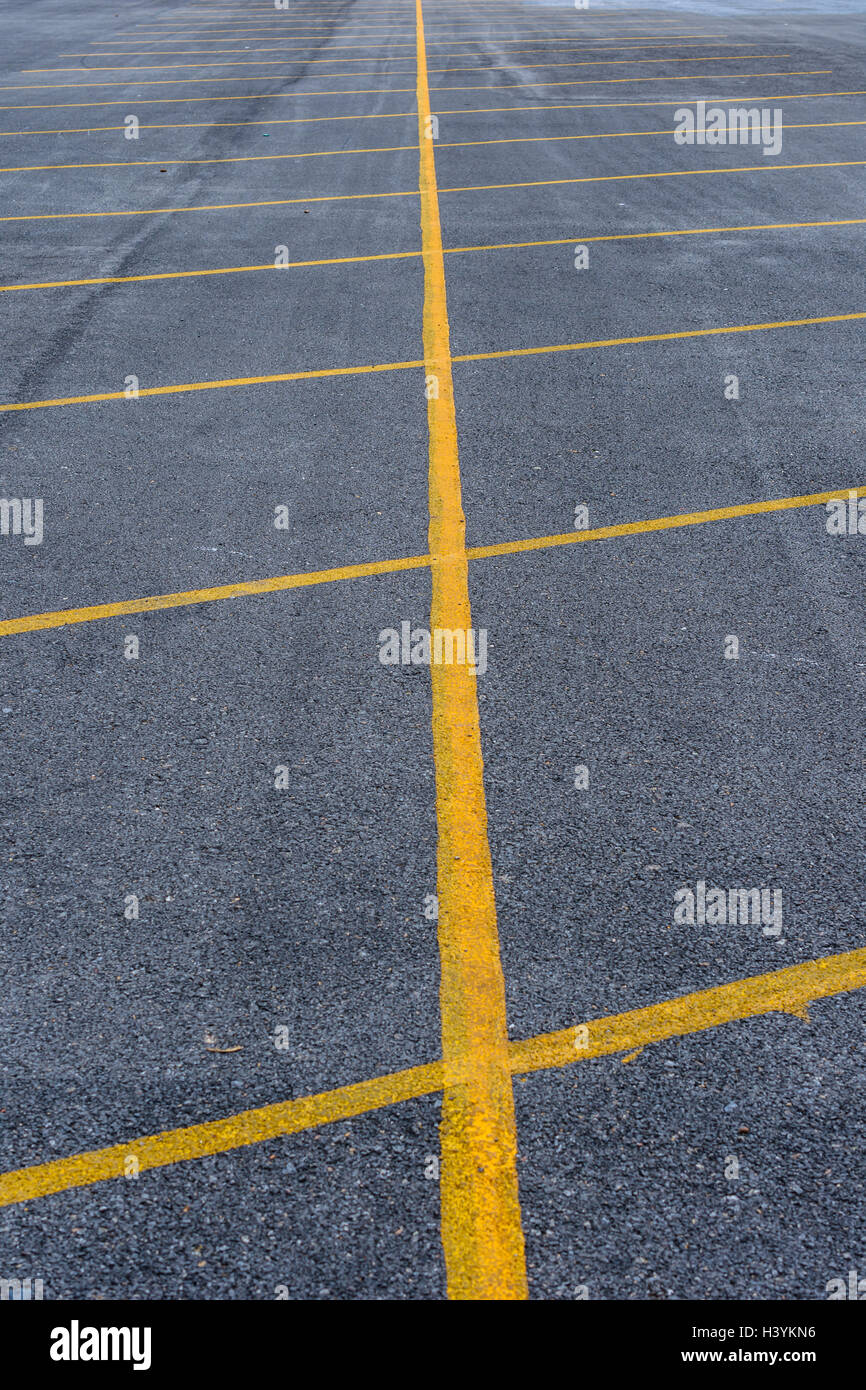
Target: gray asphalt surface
pixel 304 908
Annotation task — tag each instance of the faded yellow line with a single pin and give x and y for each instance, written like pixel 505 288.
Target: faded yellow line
pixel 414 255
pixel 589 44
pixel 366 91
pixel 663 174
pixel 404 366
pixel 211 207
pixel 782 991
pixel 544 44
pixel 482 1234
pixel 440 111
pixel 39 622
pixel 393 115
pixel 609 81
pixel 219 159
pixel 787 991
pixel 214 385
pixel 385 149
pixel 413 193
pixel 484 67
pixel 219 1136
pixel 219 270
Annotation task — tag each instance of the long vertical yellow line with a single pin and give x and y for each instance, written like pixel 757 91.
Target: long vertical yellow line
pixel 481 1229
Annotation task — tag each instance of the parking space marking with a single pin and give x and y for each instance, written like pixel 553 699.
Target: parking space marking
pixel 495 355
pixel 415 255
pixel 375 91
pixel 382 149
pixel 39 622
pixel 391 115
pixel 413 193
pixel 456 111
pixel 476 67
pixel 788 991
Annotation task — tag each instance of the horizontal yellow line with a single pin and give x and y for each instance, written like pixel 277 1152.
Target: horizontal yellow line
pixel 662 523
pixel 781 991
pixel 651 40
pixel 40 622
pixel 663 174
pixel 216 385
pixel 393 115
pixel 456 111
pixel 413 193
pixel 180 388
pixel 415 255
pixel 383 149
pixel 788 991
pixel 609 81
pixel 648 337
pixel 219 159
pixel 484 67
pixel 366 91
pixel 273 47
pixel 210 207
pixel 220 1136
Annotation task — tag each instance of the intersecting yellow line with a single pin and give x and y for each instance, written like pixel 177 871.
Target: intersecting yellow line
pixel 473 67
pixel 387 115
pixel 367 91
pixel 413 192
pixel 397 58
pixel 787 991
pixel 415 255
pixel 482 1234
pixel 382 149
pixel 364 370
pixel 40 622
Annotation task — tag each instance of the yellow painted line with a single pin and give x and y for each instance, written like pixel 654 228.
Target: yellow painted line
pixel 219 159
pixel 662 523
pixel 203 125
pixel 482 1234
pixel 456 111
pixel 366 91
pixel 210 207
pixel 608 81
pixel 412 255
pixel 40 622
pixel 217 385
pixel 219 1136
pixel 651 337
pixel 404 366
pixel 412 193
pixel 637 236
pixel 589 44
pixel 484 67
pixel 218 270
pixel 542 46
pixel 788 991
pixel 222 34
pixel 609 178
pixel 392 115
pixel 383 149
pixel 185 81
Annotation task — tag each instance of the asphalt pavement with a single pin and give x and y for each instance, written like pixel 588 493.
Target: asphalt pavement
pixel 218 810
